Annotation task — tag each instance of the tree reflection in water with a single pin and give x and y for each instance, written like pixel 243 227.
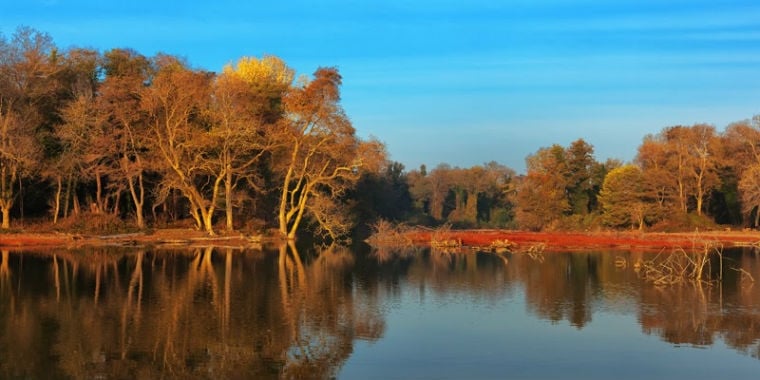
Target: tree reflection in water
pixel 202 313
pixel 573 286
pixel 227 313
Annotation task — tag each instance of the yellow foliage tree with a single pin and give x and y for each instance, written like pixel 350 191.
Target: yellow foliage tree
pixel 247 99
pixel 268 71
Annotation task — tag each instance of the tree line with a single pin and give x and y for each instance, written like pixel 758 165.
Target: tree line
pixel 151 141
pixel 682 178
pixel 131 136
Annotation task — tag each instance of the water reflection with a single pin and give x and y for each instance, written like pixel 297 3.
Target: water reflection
pixel 213 313
pixel 225 313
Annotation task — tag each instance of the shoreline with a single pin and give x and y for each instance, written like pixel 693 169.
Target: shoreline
pixel 162 237
pixel 568 240
pixel 551 241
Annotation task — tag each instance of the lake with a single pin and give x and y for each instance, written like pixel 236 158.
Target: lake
pixel 351 313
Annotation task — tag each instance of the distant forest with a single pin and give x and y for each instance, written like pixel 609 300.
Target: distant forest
pixel 115 141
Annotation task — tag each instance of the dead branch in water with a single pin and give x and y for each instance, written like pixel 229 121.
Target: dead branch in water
pixel 681 266
pixel 744 274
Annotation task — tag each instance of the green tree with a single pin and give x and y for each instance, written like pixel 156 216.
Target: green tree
pixel 580 166
pixel 384 195
pixel 624 199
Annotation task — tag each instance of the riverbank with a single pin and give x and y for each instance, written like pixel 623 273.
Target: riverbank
pixel 162 237
pixel 563 241
pixel 550 241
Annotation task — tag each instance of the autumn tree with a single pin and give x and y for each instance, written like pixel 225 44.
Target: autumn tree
pixel 464 188
pixel 742 142
pixel 25 81
pixel 676 148
pixel 439 185
pixel 652 159
pixel 247 103
pixel 319 156
pixel 83 141
pixel 749 188
pixel 705 154
pixel 126 74
pixel 420 190
pixel 742 139
pixel 177 107
pixel 478 192
pixel 541 198
pixel 682 162
pixel 494 199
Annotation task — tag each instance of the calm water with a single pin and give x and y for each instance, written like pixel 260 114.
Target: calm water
pixel 224 313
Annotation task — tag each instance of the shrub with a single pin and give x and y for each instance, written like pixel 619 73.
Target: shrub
pixel 94 223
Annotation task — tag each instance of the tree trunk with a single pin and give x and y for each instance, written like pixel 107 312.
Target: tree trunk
pixel 700 201
pixel 138 200
pixel 228 199
pixel 59 189
pixel 140 205
pixel 282 215
pixel 196 217
pixel 139 217
pixel 208 220
pixel 117 199
pixel 6 218
pixel 98 193
pixel 436 206
pixel 77 209
pixel 700 193
pixel 67 197
pixel 299 216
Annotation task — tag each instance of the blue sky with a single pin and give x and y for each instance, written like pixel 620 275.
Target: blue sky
pixel 462 82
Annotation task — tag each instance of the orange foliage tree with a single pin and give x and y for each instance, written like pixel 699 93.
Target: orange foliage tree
pixel 319 156
pixel 176 104
pixel 26 66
